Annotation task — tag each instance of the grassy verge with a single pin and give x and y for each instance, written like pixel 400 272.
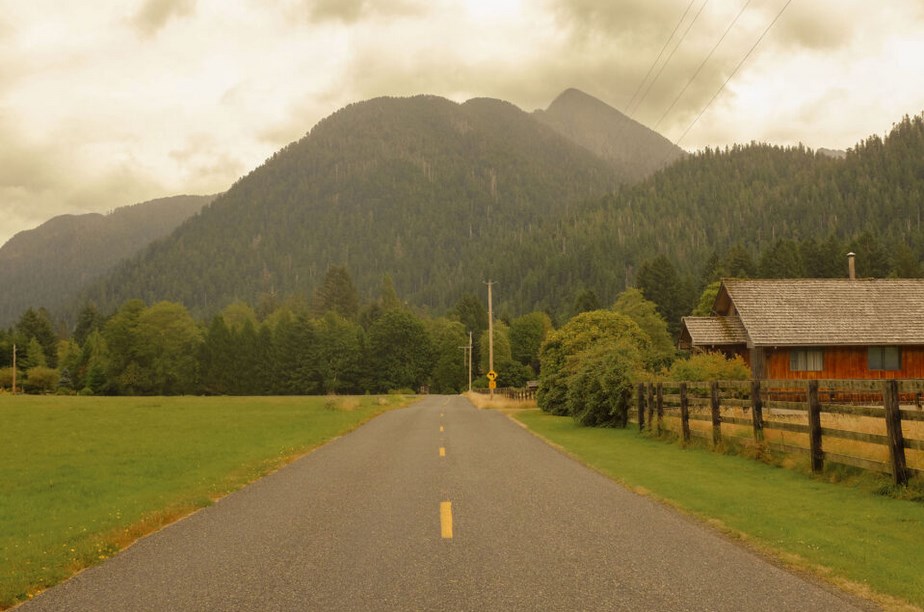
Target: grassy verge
pixel 81 477
pixel 870 544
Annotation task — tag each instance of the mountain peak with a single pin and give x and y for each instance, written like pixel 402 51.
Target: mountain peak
pixel 630 147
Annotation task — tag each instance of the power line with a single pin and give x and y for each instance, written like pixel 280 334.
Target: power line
pixel 668 60
pixel 705 61
pixel 734 72
pixel 657 59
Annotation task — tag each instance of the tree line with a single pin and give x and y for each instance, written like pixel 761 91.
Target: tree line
pixel 332 343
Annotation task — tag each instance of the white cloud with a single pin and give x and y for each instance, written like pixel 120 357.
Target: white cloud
pixel 115 102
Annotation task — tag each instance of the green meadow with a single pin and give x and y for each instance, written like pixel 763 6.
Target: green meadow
pixel 82 477
pixel 873 545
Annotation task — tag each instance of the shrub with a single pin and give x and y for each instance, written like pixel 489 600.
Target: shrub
pixel 710 366
pixel 586 338
pixel 600 389
pixel 42 379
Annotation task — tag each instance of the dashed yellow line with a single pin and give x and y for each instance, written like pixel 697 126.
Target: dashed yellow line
pixel 446 520
pixel 441 429
pixel 442 452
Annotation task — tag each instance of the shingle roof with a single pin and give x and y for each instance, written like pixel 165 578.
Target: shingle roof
pixel 816 312
pixel 715 331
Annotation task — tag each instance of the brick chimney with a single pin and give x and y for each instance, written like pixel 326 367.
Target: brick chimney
pixel 851 267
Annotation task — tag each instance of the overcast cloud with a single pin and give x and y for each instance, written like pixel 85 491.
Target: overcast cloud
pixel 105 103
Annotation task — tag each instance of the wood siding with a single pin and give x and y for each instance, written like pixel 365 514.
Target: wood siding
pixel 845 362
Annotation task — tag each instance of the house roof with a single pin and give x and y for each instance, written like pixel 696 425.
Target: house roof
pixel 715 331
pixel 819 312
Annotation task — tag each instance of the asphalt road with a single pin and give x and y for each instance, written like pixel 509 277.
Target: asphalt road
pixel 364 524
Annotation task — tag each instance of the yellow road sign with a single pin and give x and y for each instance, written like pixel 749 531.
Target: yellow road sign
pixel 492 375
pixel 492 384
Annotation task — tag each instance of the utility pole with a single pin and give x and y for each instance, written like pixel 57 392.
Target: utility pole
pixel 490 334
pixel 468 354
pixel 14 369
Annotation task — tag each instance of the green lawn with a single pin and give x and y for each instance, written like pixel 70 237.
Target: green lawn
pixel 81 477
pixel 842 532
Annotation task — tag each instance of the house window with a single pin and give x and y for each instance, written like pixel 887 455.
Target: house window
pixel 885 358
pixel 806 360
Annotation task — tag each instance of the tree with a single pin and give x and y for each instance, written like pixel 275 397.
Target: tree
pixel 389 297
pixel 706 301
pixel 296 358
pixel 41 379
pixel 738 262
pixel 905 264
pixel 585 301
pixel 473 315
pixel 872 260
pixel 339 351
pixel 399 352
pixel 527 333
pixel 88 320
pixel 450 370
pixel 782 260
pixel 167 346
pixel 37 324
pixel 215 359
pixel 644 312
pixel 659 282
pixel 120 335
pixel 600 390
pixel 337 293
pixel 237 314
pixel 565 348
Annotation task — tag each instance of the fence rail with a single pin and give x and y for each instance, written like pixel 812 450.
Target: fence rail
pixel 848 422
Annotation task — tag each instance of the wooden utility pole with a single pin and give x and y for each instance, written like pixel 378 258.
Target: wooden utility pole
pixel 468 353
pixel 14 369
pixel 469 361
pixel 490 334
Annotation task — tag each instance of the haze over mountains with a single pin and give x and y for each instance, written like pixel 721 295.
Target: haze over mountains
pixel 46 266
pixel 421 188
pixel 443 196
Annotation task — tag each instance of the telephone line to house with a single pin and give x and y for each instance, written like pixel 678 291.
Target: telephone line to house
pixel 657 59
pixel 703 64
pixel 734 72
pixel 669 57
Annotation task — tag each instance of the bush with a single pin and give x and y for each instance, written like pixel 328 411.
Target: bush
pixel 600 389
pixel 708 367
pixel 587 338
pixel 42 379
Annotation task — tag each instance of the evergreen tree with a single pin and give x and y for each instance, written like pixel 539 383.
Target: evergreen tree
pixel 337 293
pixel 782 260
pixel 37 324
pixel 738 262
pixel 527 334
pixel 399 352
pixel 659 282
pixel 585 301
pixel 88 320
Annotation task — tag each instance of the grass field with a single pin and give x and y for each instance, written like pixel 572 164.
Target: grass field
pixel 868 543
pixel 82 477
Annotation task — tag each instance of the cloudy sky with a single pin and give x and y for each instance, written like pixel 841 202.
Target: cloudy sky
pixel 105 103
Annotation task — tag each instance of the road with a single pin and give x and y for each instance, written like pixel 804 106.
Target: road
pixel 383 519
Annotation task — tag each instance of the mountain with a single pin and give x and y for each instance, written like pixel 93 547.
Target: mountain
pixel 787 211
pixel 633 150
pixel 427 190
pixel 48 265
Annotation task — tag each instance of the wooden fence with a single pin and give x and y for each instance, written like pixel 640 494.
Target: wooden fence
pixel 525 393
pixel 873 425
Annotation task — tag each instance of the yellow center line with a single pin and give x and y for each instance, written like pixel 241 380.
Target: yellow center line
pixel 441 429
pixel 446 520
pixel 442 452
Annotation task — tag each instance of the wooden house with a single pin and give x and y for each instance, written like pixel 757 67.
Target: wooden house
pixel 816 328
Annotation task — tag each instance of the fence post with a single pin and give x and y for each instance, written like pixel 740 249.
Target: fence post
pixel 650 404
pixel 624 398
pixel 814 419
pixel 684 413
pixel 641 406
pixel 757 411
pixel 660 405
pixel 716 416
pixel 893 418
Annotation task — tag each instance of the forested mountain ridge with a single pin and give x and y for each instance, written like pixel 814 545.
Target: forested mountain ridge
pixel 763 202
pixel 420 188
pixel 634 150
pixel 48 265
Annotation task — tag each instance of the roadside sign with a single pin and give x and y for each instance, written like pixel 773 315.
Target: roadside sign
pixel 492 375
pixel 492 384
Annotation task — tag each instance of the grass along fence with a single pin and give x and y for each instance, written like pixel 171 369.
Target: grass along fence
pixel 872 425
